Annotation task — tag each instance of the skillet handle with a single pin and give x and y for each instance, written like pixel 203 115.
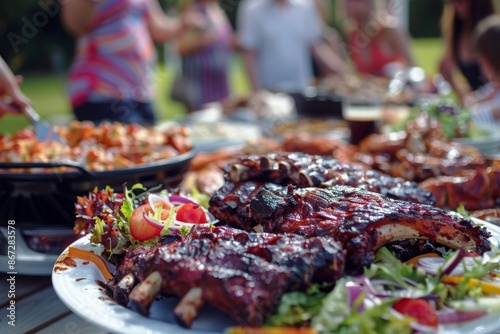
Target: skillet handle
pixel 7 165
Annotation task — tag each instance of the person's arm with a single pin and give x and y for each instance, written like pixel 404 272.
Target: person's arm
pixel 334 41
pixel 248 41
pixel 163 28
pixel 193 40
pixel 249 62
pixel 400 44
pixel 77 15
pixel 11 97
pixel 448 69
pixel 328 60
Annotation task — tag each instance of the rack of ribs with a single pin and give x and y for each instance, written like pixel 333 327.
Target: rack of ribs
pixel 360 220
pixel 303 170
pixel 243 274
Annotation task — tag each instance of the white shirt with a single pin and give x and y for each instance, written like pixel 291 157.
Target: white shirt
pixel 281 37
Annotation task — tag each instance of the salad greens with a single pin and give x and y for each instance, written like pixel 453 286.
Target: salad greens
pixel 298 308
pixel 454 120
pixel 338 316
pixel 115 231
pixel 111 225
pixel 364 304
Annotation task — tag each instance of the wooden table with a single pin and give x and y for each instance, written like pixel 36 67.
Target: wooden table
pixel 38 309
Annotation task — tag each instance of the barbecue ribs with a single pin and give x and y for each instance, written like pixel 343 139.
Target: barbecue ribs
pixel 243 274
pixel 303 170
pixel 359 220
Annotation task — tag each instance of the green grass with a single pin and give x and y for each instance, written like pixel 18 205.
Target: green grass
pixel 49 95
pixel 428 52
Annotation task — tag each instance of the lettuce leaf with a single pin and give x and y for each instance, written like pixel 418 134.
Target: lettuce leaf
pixel 336 316
pixel 297 308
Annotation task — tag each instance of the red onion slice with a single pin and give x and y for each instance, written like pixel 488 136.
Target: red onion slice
pixel 354 290
pixel 152 222
pixel 156 200
pixel 454 261
pixel 178 199
pixel 454 267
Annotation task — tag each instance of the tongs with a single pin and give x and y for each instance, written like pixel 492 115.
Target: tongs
pixel 44 132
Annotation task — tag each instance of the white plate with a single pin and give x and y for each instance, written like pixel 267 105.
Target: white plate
pixel 212 136
pixel 79 290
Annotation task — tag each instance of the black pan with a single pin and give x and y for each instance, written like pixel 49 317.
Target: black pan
pixel 47 199
pixel 8 170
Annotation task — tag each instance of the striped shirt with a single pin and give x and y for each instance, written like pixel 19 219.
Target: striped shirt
pixel 483 113
pixel 115 59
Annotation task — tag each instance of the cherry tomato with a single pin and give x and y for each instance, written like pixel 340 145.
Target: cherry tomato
pixel 140 229
pixel 191 213
pixel 419 309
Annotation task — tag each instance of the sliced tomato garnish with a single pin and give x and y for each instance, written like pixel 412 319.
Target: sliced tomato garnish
pixel 191 213
pixel 419 309
pixel 142 230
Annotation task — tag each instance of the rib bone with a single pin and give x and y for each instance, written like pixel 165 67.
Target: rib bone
pixel 238 172
pixel 142 296
pixel 188 308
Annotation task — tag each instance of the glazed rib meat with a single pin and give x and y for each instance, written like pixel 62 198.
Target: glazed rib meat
pixel 359 220
pixel 243 274
pixel 303 170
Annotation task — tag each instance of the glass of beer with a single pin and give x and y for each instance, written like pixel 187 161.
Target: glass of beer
pixel 363 117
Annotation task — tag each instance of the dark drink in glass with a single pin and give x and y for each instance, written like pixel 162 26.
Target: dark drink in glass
pixel 363 119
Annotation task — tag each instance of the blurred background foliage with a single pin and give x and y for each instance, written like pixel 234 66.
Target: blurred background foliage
pixel 52 48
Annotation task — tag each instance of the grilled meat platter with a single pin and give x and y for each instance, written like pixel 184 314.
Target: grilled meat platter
pixel 243 274
pixel 282 223
pixel 455 174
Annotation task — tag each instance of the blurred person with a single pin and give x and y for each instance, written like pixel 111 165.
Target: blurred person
pixel 329 36
pixel 205 54
pixel 277 38
pixel 484 103
pixel 12 100
pixel 111 77
pixel 375 43
pixel 460 18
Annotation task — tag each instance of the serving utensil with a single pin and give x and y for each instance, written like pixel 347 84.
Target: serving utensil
pixel 44 132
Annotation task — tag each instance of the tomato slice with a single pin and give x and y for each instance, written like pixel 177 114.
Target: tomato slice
pixel 140 229
pixel 191 213
pixel 419 309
